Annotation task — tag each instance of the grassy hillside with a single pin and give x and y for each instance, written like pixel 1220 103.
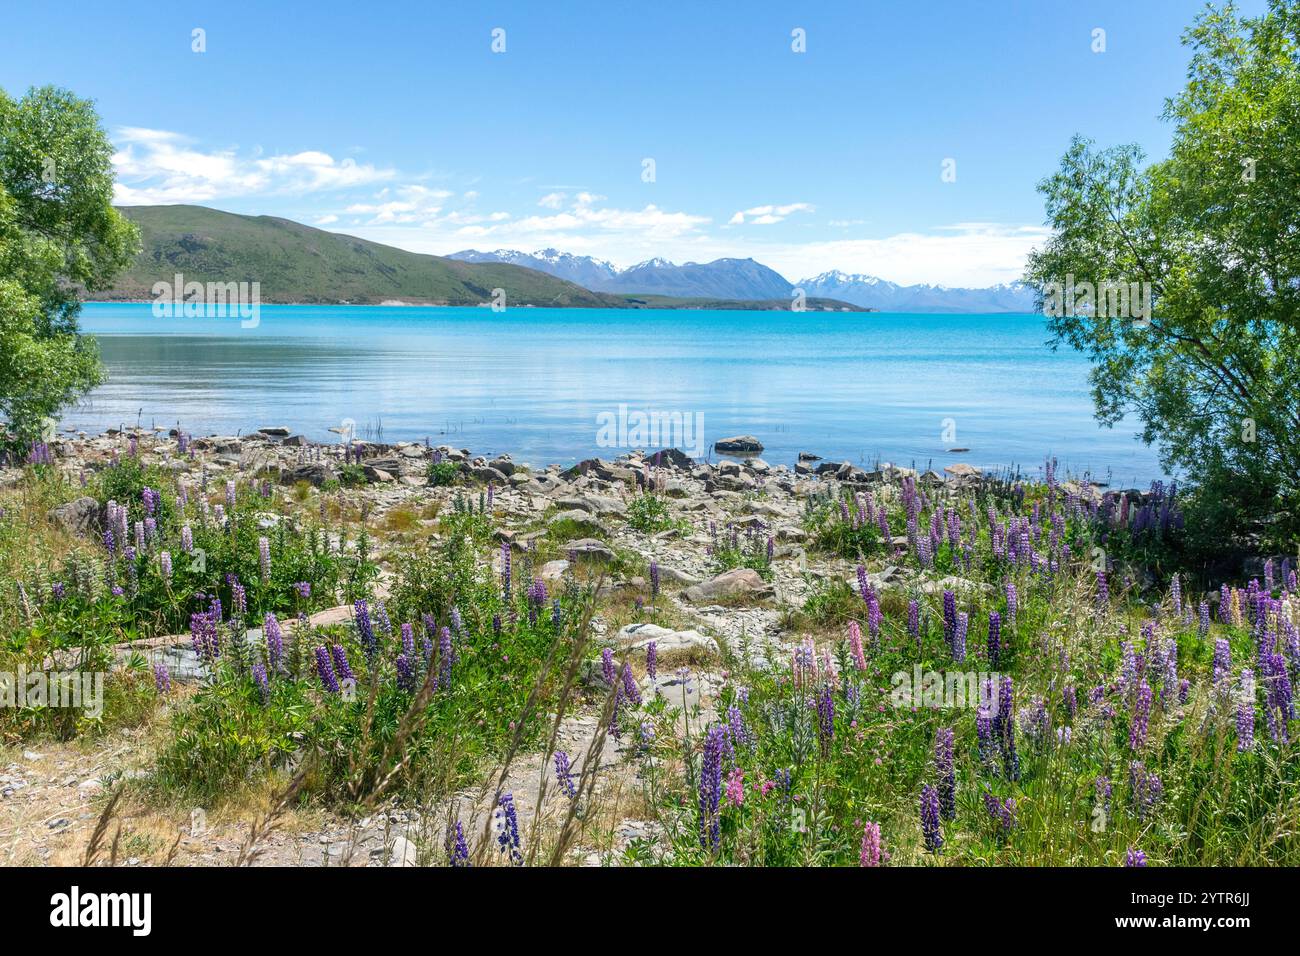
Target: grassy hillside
pixel 296 263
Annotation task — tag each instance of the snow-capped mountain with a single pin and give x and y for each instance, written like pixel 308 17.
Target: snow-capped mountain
pixel 594 274
pixel 720 279
pixel 875 293
pixel 747 279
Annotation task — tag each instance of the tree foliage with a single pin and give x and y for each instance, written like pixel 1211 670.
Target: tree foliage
pixel 1213 375
pixel 59 236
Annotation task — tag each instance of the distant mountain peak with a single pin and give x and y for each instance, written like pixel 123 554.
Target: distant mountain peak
pixel 747 279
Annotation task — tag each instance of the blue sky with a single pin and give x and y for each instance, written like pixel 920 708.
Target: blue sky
pixel 398 122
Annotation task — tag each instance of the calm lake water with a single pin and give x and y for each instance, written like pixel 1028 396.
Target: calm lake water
pixel 532 382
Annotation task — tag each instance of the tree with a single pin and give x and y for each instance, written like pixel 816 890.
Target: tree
pixel 1213 373
pixel 59 236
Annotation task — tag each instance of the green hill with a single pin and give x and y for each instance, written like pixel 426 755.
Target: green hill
pixel 298 264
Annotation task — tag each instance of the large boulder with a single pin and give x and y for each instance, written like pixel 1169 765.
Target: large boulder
pixel 738 582
pixel 639 636
pixel 313 473
pixel 589 548
pixel 587 523
pixel 80 517
pixel 738 445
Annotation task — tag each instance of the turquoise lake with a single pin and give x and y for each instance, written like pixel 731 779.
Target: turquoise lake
pixel 865 387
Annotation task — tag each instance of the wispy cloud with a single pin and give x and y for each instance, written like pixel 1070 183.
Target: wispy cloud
pixel 157 166
pixel 768 215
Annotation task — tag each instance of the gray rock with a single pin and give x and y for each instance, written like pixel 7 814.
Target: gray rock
pixel 313 474
pixel 737 582
pixel 638 636
pixel 275 431
pixel 739 444
pixel 590 549
pixel 79 517
pixel 553 570
pixel 586 522
pixel 487 473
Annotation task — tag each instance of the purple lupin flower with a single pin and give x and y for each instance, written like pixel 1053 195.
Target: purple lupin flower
pixel 162 680
pixel 264 558
pixel 825 717
pixel 536 599
pixel 943 768
pixel 1204 619
pixel 444 657
pixel 457 849
pixel 274 640
pixel 110 542
pixel 405 672
pixel 1103 591
pixel 361 614
pixel 914 619
pixel 949 615
pixel 1137 732
pixel 607 670
pixel 995 638
pixel 341 663
pixel 187 540
pixel 1246 711
pixel 654 580
pixel 564 775
pixel 325 670
pixel 1006 722
pixel 652 660
pixel 1013 603
pixel 1135 858
pixel 1002 812
pixel 988 744
pixel 630 691
pixel 263 683
pixel 930 826
pixel 508 829
pixel 165 565
pixel 959 637
pixel 711 787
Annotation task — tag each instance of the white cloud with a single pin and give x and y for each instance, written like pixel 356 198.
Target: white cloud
pixel 962 254
pixel 157 166
pixel 768 215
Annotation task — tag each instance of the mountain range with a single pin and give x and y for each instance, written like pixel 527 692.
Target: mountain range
pixel 294 263
pixel 746 279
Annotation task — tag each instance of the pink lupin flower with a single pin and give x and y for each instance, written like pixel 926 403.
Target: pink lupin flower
pixel 870 853
pixel 855 646
pixel 736 787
